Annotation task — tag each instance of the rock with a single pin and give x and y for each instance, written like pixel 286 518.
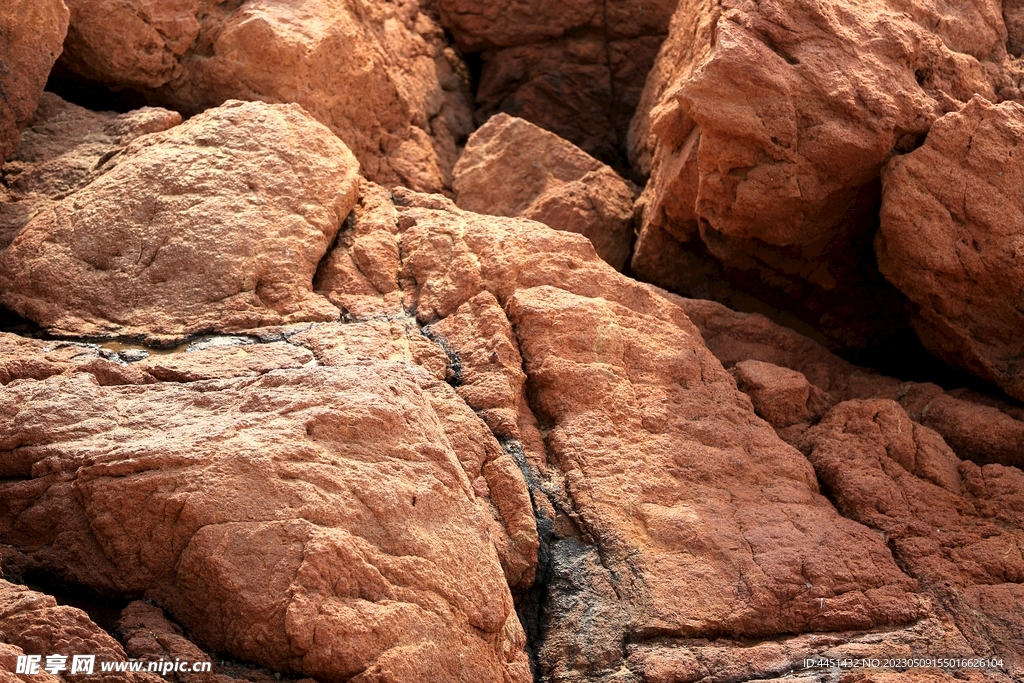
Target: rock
pixel 226 225
pixel 630 402
pixel 30 43
pixel 977 427
pixel 64 148
pixel 765 128
pixel 952 216
pixel 575 69
pixel 33 623
pixel 379 74
pixel 781 396
pixel 244 497
pixel 954 526
pixel 511 167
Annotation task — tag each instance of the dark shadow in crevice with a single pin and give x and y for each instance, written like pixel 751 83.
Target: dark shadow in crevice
pixel 92 94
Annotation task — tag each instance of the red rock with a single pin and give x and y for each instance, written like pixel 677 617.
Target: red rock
pixel 781 396
pixel 765 128
pixel 511 167
pixel 225 229
pixel 33 31
pixel 575 69
pixel 977 428
pixel 949 239
pixel 33 623
pixel 956 527
pixel 63 149
pixel 615 454
pixel 246 498
pixel 379 74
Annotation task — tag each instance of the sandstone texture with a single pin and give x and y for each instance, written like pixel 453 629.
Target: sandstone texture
pixel 950 239
pixel 574 68
pixel 765 128
pixel 31 33
pixel 379 74
pixel 511 167
pixel 64 148
pixel 227 218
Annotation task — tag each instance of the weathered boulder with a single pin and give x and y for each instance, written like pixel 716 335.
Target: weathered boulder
pixel 765 128
pixel 64 148
pixel 950 239
pixel 511 167
pixel 216 224
pixel 317 521
pixel 575 68
pixel 31 33
pixel 379 74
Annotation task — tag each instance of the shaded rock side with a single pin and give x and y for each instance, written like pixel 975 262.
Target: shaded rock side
pixel 950 239
pixel 33 623
pixel 64 148
pixel 31 34
pixel 379 74
pixel 216 224
pixel 765 129
pixel 511 167
pixel 575 68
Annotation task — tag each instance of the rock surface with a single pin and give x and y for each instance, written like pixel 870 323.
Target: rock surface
pixel 575 68
pixel 765 128
pixel 30 42
pixel 230 214
pixel 511 167
pixel 950 239
pixel 64 148
pixel 379 74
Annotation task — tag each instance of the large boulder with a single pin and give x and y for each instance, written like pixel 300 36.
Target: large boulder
pixel 511 167
pixel 216 224
pixel 951 239
pixel 765 128
pixel 379 74
pixel 575 68
pixel 31 34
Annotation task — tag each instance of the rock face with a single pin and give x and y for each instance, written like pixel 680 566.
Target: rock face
pixel 228 217
pixel 950 238
pixel 64 148
pixel 33 623
pixel 765 129
pixel 379 74
pixel 30 42
pixel 575 68
pixel 511 167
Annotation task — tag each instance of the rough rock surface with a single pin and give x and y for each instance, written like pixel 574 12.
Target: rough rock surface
pixel 765 127
pixel 511 167
pixel 228 216
pixel 64 148
pixel 950 239
pixel 31 33
pixel 956 527
pixel 33 623
pixel 378 73
pixel 978 428
pixel 574 68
